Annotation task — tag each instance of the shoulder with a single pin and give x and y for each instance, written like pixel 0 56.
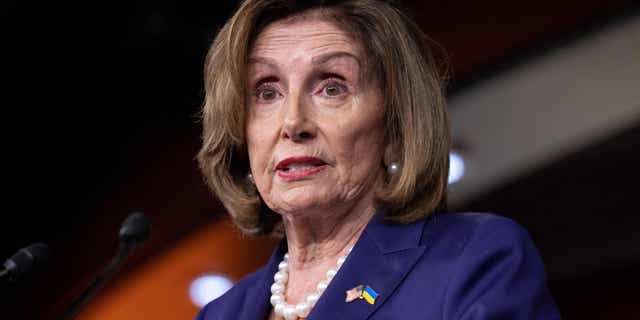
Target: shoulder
pixel 469 222
pixel 457 231
pixel 494 267
pixel 480 242
pixel 232 298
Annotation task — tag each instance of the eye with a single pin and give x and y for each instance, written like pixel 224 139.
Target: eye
pixel 266 93
pixel 334 88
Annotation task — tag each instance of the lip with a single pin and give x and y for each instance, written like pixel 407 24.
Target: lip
pixel 318 165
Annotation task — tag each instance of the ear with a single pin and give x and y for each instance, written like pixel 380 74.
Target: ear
pixel 391 153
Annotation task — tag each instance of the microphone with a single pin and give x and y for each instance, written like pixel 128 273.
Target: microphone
pixel 24 261
pixel 134 230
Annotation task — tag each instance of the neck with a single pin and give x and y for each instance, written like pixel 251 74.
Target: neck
pixel 319 238
pixel 315 243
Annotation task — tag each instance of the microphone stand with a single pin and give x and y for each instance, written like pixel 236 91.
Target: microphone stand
pixel 134 230
pixel 123 253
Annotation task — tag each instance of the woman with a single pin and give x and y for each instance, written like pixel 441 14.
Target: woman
pixel 326 123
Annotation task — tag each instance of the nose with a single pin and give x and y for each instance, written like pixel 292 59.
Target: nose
pixel 297 125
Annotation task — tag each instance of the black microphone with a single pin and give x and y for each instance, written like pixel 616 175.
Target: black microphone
pixel 134 230
pixel 24 261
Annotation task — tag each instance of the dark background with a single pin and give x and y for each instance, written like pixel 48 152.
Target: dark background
pixel 100 105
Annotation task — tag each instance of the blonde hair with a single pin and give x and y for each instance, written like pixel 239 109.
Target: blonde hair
pixel 397 55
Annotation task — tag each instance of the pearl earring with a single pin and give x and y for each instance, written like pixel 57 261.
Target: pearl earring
pixel 393 168
pixel 250 178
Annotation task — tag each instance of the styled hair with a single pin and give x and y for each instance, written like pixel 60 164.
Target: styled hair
pixel 398 58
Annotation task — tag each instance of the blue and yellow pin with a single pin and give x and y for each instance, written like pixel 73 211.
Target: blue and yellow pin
pixel 362 292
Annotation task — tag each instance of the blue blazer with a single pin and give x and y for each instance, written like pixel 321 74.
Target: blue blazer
pixel 450 266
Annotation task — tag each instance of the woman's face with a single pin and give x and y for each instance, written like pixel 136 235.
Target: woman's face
pixel 315 129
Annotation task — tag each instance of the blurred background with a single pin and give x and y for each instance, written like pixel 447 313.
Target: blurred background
pixel 100 105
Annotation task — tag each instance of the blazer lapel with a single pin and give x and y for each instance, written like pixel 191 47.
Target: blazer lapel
pixel 381 258
pixel 256 303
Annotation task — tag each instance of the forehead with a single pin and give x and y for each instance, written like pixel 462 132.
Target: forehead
pixel 302 37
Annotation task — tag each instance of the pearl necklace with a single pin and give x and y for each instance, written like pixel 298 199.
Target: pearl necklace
pixel 302 309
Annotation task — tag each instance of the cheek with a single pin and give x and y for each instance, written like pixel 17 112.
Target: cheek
pixel 361 146
pixel 258 147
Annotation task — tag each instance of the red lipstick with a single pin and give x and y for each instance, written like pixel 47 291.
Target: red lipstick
pixel 295 168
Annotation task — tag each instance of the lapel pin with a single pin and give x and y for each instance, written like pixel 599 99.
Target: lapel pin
pixel 355 293
pixel 362 292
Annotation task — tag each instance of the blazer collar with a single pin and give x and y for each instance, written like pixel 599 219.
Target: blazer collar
pixel 381 258
pixel 256 303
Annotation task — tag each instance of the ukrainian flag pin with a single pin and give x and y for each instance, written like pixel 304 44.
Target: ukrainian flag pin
pixel 370 295
pixel 362 292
